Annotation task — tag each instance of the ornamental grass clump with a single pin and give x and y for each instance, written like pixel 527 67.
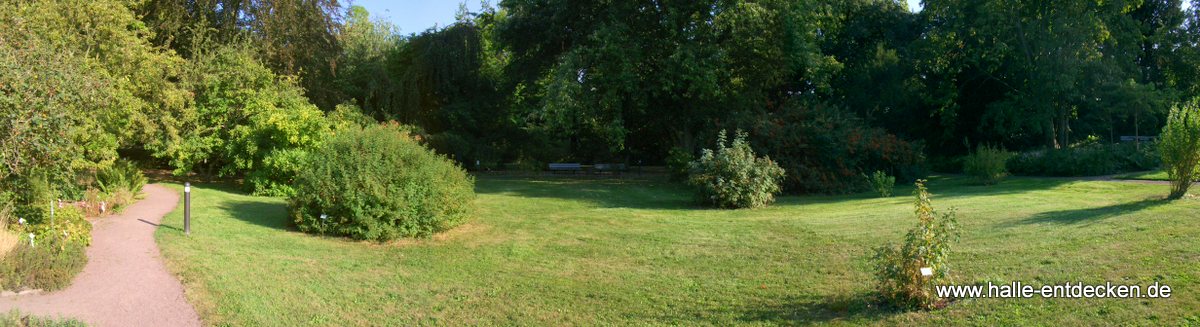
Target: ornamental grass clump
pixel 732 177
pixel 907 274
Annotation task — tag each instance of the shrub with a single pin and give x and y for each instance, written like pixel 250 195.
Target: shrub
pixel 882 183
pixel 898 269
pixel 1179 146
pixel 679 162
pixel 1086 160
pixel 379 184
pixel 987 164
pixel 50 264
pixel 732 177
pixel 54 258
pixel 827 150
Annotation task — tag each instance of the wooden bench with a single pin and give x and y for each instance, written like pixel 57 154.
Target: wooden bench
pixel 571 167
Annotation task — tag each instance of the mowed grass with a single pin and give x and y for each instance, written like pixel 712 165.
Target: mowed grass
pixel 623 252
pixel 1156 175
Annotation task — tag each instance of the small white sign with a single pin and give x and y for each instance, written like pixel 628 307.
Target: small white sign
pixel 324 217
pixel 187 189
pixel 926 271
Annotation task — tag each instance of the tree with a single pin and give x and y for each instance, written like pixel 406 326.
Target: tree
pixel 656 74
pixel 295 37
pixel 1048 86
pixel 363 75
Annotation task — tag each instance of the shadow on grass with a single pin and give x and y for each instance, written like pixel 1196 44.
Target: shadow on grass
pixel 1076 216
pixel 860 308
pixel 265 214
pixel 955 186
pixel 609 193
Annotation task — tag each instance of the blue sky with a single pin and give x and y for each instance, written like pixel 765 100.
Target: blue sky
pixel 414 16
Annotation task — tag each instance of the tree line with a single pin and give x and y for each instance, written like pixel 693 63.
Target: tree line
pixel 830 89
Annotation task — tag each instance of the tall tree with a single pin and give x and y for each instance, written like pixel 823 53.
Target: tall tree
pixel 295 37
pixel 658 73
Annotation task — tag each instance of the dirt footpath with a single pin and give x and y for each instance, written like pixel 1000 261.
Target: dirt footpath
pixel 125 282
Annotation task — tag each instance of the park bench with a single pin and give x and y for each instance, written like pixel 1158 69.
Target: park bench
pixel 571 167
pixel 609 168
pixel 1127 138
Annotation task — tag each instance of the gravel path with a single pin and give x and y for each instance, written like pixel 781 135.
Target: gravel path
pixel 125 282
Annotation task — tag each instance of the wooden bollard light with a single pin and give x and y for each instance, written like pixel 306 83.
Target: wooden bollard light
pixel 187 208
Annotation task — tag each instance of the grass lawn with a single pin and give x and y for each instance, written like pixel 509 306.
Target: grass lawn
pixel 1157 175
pixel 609 252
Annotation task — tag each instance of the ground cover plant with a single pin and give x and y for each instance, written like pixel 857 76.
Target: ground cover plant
pixel 562 251
pixel 16 319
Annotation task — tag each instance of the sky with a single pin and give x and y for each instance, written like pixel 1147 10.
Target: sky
pixel 415 16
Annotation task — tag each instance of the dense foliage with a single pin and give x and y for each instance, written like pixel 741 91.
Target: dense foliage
pixel 898 269
pixel 987 164
pixel 1086 160
pixel 1179 145
pixel 832 90
pixel 379 184
pixel 731 176
pixel 826 150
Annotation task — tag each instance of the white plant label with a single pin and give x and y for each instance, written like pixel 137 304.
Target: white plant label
pixel 926 271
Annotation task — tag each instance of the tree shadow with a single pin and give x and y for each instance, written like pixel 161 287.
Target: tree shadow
pixel 957 186
pixel 266 214
pixel 608 193
pixel 861 307
pixel 1077 216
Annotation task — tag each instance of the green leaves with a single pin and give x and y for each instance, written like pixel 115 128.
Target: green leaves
pixel 1179 146
pixel 897 269
pixel 733 177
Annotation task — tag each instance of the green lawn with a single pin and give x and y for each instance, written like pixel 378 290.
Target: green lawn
pixel 607 252
pixel 1157 175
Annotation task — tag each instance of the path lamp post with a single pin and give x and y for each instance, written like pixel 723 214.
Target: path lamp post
pixel 187 208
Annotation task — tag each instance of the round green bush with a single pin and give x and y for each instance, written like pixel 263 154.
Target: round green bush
pixel 733 177
pixel 377 183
